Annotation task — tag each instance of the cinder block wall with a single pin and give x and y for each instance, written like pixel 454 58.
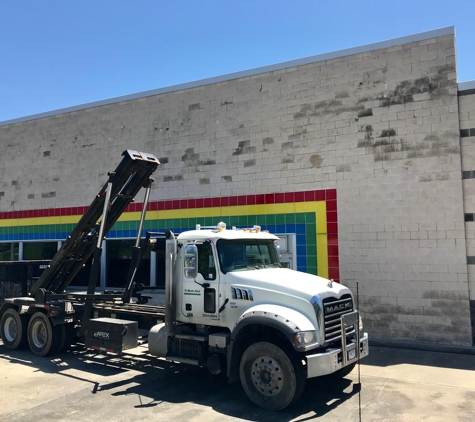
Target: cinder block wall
pixel 380 126
pixel 467 136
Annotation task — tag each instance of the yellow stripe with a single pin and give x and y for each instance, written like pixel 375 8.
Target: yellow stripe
pixel 322 240
pixel 131 216
pixel 286 208
pixel 40 221
pixel 300 207
pixel 317 207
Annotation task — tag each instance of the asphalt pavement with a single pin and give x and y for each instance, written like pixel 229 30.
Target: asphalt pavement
pixel 395 385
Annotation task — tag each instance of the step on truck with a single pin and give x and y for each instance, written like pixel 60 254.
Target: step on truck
pixel 229 304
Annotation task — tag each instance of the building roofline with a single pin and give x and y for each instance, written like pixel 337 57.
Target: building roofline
pixel 449 30
pixel 466 88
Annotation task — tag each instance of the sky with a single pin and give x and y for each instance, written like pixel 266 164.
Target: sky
pixel 62 53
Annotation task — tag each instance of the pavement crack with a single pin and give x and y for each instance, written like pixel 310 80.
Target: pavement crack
pixel 376 396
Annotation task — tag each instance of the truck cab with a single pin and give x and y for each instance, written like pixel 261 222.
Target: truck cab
pixel 236 309
pixel 222 260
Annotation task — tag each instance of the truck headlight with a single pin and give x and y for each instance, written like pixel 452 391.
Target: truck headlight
pixel 305 338
pixel 360 323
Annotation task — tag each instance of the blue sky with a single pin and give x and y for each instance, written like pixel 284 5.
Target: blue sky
pixel 57 54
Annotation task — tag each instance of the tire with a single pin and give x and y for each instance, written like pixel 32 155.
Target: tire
pixel 271 378
pixel 13 329
pixel 66 337
pixel 43 337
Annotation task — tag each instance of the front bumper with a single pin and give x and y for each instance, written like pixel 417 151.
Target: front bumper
pixel 333 359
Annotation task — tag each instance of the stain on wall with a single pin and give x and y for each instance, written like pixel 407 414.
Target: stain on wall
pixel 48 195
pixel 244 147
pixel 315 160
pixel 178 177
pixel 381 144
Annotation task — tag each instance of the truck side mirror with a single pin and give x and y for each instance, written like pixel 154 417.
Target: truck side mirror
pixel 191 261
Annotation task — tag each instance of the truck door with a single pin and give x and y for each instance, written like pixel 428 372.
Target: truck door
pixel 200 298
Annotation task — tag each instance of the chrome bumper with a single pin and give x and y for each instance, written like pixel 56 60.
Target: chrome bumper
pixel 335 359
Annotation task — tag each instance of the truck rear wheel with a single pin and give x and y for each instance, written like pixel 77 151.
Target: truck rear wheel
pixel 66 332
pixel 43 336
pixel 271 378
pixel 13 328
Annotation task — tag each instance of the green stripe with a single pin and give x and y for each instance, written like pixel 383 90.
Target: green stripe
pixel 247 220
pixel 309 219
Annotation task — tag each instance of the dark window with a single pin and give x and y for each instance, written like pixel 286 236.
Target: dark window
pixel 468 174
pixel 82 277
pixel 160 263
pixel 119 254
pixel 39 250
pixel 8 251
pixel 464 133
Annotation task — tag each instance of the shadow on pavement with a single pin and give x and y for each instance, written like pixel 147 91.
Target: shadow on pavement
pixel 388 356
pixel 196 385
pixel 149 383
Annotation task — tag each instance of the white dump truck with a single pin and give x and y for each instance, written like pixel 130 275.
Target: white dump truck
pixel 229 306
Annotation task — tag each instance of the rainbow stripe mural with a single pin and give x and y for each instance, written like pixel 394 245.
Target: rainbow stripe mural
pixel 310 215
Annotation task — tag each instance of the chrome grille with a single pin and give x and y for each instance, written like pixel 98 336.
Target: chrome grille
pixel 333 309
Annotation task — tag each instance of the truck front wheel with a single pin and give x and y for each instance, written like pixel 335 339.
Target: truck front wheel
pixel 43 336
pixel 271 378
pixel 13 327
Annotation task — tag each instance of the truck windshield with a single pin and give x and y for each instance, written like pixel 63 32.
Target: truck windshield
pixel 246 255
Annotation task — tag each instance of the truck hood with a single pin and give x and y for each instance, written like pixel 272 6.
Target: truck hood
pixel 287 282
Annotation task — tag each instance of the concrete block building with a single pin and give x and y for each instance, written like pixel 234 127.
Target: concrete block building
pixel 361 160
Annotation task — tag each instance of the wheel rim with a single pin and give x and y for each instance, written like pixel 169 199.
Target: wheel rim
pixel 267 376
pixel 38 334
pixel 10 330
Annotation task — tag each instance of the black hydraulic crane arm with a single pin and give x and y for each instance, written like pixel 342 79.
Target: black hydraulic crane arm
pixel 132 173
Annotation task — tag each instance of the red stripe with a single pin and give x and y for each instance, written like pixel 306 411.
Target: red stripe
pixel 328 195
pixel 270 198
pixel 332 235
